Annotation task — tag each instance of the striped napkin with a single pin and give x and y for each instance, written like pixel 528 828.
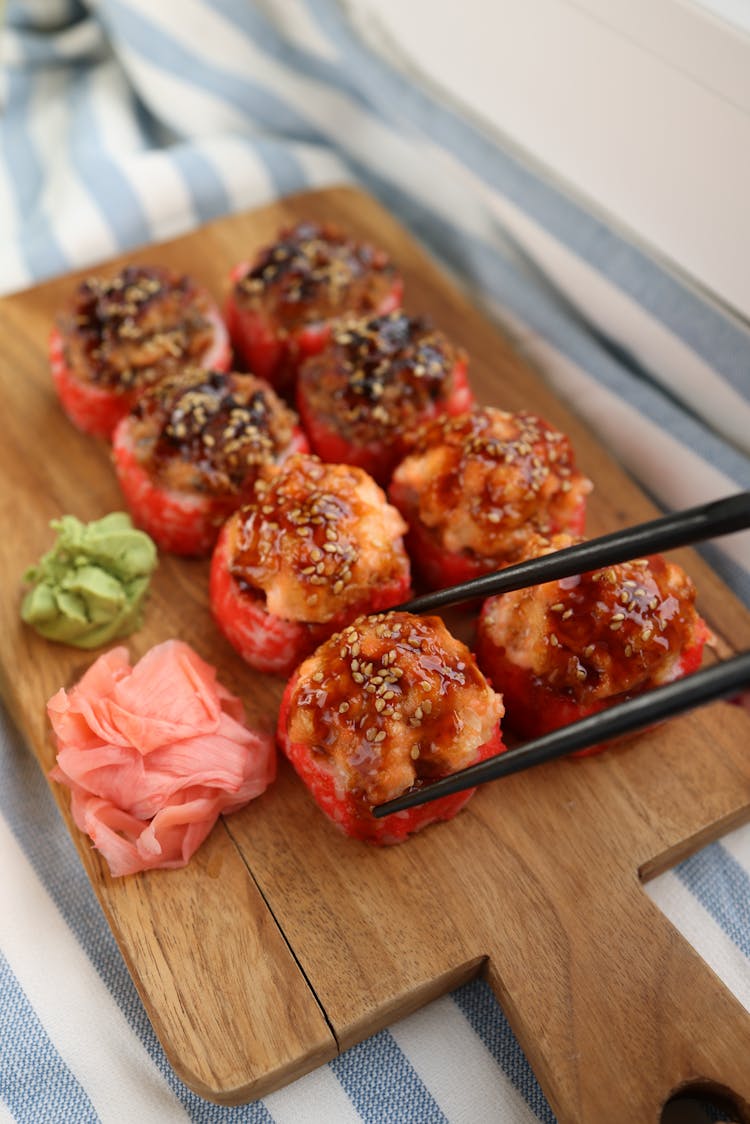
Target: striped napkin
pixel 129 121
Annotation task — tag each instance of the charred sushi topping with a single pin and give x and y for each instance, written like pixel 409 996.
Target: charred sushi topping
pixel 315 536
pixel 602 633
pixel 129 330
pixel 486 479
pixel 225 425
pixel 385 370
pixel 318 270
pixel 393 700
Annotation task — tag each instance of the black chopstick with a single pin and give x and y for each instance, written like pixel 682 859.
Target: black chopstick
pixel 681 528
pixel 717 682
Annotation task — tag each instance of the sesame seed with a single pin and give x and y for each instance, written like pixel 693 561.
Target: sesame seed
pixel 380 736
pixel 615 625
pixel 414 752
pixel 343 707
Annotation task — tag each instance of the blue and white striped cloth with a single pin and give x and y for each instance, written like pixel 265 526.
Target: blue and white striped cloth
pixel 129 121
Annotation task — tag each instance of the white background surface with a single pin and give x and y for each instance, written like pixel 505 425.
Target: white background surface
pixel 641 108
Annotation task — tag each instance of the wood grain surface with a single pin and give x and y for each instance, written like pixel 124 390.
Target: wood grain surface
pixel 282 942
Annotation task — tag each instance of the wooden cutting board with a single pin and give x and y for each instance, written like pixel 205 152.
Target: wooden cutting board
pixel 283 943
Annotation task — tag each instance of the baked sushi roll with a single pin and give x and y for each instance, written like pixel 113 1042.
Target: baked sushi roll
pixel 316 546
pixel 125 332
pixel 569 648
pixel 375 381
pixel 280 305
pixel 189 452
pixel 392 702
pixel 473 488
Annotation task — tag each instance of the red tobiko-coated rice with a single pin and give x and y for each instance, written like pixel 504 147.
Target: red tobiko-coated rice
pixel 153 754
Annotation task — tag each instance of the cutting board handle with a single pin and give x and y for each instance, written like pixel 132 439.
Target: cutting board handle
pixel 632 1001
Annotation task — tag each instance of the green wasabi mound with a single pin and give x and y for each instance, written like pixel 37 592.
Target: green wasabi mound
pixel 90 588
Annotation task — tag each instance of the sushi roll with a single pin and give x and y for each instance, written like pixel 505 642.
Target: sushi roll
pixel 392 702
pixel 374 382
pixel 474 487
pixel 316 546
pixel 124 333
pixel 190 451
pixel 569 648
pixel 280 304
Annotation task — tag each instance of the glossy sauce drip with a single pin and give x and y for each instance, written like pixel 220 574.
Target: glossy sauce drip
pixel 482 482
pixel 620 624
pixel 510 458
pixel 314 271
pixel 299 516
pixel 384 371
pixel 123 328
pixel 386 699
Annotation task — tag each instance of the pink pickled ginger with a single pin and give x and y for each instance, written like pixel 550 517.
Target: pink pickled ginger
pixel 153 754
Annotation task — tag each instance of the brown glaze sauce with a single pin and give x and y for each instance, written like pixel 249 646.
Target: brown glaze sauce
pixel 387 700
pixel 314 272
pixel 299 513
pixel 323 532
pixel 380 374
pixel 209 430
pixel 128 330
pixel 491 477
pixel 611 630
